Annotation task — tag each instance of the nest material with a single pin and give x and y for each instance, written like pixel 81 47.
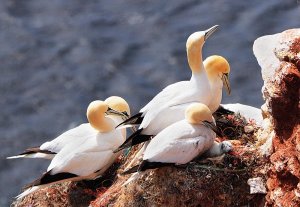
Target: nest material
pixel 209 182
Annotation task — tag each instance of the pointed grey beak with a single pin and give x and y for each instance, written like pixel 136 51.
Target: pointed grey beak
pixel 210 31
pixel 211 126
pixel 110 111
pixel 226 83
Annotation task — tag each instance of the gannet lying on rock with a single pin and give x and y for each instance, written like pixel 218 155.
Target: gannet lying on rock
pixel 180 142
pixel 169 105
pixel 117 110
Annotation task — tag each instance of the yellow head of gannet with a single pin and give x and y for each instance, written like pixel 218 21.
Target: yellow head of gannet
pixel 197 113
pixel 217 66
pixel 194 46
pixel 118 104
pixel 95 113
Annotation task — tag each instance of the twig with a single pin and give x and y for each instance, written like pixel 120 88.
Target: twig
pixel 220 169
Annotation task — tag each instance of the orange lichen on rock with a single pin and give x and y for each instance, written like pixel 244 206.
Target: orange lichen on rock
pixel 282 91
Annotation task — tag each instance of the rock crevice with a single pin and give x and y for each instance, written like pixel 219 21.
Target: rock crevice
pixel 281 73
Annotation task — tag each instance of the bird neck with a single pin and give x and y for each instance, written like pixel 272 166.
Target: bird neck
pixel 215 80
pixel 117 120
pixel 194 55
pixel 107 124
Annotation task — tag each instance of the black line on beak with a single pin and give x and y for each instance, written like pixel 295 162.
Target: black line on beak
pixel 210 31
pixel 111 111
pixel 225 79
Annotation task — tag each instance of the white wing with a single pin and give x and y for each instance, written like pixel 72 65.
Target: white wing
pixel 179 143
pixel 78 134
pixel 174 95
pixel 90 156
pixel 166 117
pixel 167 94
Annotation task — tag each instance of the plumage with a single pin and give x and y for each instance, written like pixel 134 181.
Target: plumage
pixel 134 139
pixel 87 157
pixel 218 149
pixel 78 134
pixel 34 152
pixel 93 154
pixel 134 120
pixel 217 68
pixel 169 105
pixel 180 142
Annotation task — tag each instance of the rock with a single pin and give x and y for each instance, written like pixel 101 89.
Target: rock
pixel 64 194
pixel 249 129
pixel 265 136
pixel 257 185
pixel 226 183
pixel 279 57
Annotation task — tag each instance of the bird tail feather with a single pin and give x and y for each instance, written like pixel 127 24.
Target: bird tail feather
pixel 34 155
pixel 27 192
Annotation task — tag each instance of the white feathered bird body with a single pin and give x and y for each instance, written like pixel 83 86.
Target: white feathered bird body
pixel 179 143
pixel 169 105
pixel 88 156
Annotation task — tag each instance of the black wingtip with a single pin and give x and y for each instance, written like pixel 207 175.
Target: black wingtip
pixel 34 150
pixel 135 119
pixel 135 139
pixel 146 165
pixel 118 150
pixel 47 178
pixel 131 170
pixel 222 111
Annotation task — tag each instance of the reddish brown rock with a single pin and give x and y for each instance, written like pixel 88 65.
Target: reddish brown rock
pixel 279 58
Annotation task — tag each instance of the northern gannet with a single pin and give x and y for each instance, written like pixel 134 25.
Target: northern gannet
pixel 117 108
pixel 169 105
pixel 217 69
pixel 180 142
pixel 87 158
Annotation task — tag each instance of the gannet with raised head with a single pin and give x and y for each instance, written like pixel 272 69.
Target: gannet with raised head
pixel 116 110
pixel 180 142
pixel 86 158
pixel 169 105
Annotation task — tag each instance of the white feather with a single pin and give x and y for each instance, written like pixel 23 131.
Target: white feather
pixel 216 149
pixel 74 137
pixel 35 155
pixel 87 157
pixel 179 143
pixel 173 100
pixel 28 191
pixel 249 112
pixel 216 85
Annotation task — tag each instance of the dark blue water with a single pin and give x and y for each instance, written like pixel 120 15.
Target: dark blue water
pixel 57 56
